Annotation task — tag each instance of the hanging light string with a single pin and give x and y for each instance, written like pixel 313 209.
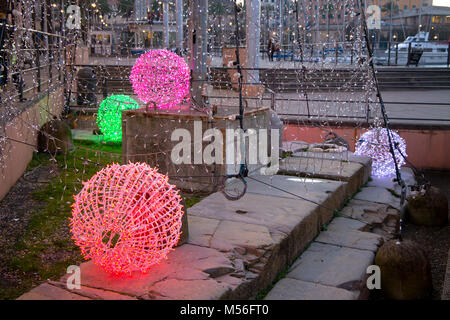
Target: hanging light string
pixel 383 108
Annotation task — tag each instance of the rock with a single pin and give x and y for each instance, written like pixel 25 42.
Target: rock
pixel 405 270
pixel 55 137
pixel 428 209
pixel 218 271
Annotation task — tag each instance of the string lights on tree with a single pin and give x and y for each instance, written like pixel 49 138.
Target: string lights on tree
pixel 127 218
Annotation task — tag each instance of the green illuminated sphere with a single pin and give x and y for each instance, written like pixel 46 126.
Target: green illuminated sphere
pixel 109 118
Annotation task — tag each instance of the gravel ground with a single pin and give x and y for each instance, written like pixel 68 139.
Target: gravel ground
pixel 16 211
pixel 435 240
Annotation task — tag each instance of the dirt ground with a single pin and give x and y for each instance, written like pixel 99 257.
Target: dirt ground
pixel 435 240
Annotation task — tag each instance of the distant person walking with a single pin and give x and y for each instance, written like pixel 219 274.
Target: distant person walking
pixel 276 49
pixel 270 48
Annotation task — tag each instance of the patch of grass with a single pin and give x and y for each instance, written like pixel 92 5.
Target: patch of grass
pixel 263 293
pixel 395 194
pixel 286 154
pixel 192 201
pixel 46 249
pixel 337 214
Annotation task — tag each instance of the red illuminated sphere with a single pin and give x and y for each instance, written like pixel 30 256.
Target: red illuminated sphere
pixel 127 218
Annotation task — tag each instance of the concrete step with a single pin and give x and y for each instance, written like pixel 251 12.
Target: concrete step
pixel 335 265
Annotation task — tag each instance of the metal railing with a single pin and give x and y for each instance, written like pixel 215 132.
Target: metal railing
pixel 34 66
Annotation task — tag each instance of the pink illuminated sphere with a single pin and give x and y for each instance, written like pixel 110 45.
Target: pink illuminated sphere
pixel 162 77
pixel 375 144
pixel 126 218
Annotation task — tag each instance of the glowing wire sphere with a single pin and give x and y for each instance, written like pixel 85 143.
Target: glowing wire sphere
pixel 375 144
pixel 162 77
pixel 109 118
pixel 126 218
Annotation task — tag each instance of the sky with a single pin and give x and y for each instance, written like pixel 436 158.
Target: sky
pixel 441 3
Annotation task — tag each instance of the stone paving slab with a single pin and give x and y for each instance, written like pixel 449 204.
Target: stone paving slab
pixel 186 263
pixel 332 266
pixel 389 183
pixel 351 239
pixel 380 218
pixel 368 212
pixel 341 156
pixel 48 292
pixel 379 195
pixel 92 293
pixel 354 173
pixel 310 188
pixel 201 230
pixel 327 169
pixel 292 289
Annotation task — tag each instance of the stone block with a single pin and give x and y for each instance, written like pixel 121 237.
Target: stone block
pixel 230 235
pixel 48 292
pixel 201 230
pixel 293 289
pixel 379 195
pixel 333 266
pixel 351 233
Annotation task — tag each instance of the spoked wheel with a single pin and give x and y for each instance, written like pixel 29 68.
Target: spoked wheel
pixel 234 188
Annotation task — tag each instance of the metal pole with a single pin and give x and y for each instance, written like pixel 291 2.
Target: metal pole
pixel 343 24
pixel 396 54
pixel 317 22
pixel 253 13
pixel 198 16
pixel 166 23
pixel 389 53
pixel 281 26
pixel 390 23
pixel 448 55
pixel 179 17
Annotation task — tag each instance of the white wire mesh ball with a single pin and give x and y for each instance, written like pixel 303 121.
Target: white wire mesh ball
pixel 375 144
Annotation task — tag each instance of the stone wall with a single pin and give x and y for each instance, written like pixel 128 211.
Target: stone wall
pixel 23 128
pixel 426 149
